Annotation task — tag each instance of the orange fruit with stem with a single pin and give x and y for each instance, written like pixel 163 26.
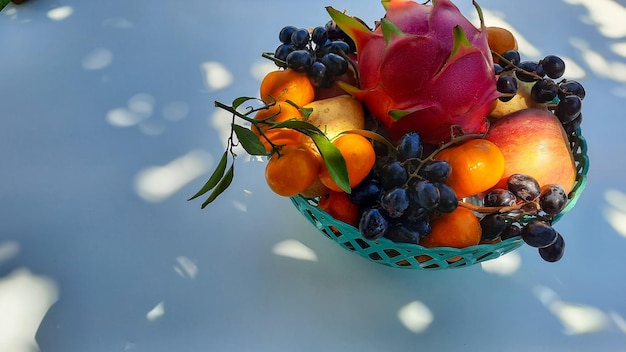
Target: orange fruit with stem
pixel 500 40
pixel 287 84
pixel 476 164
pixel 458 229
pixel 292 170
pixel 279 112
pixel 359 155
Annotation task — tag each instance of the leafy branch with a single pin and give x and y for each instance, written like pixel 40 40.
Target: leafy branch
pixel 252 143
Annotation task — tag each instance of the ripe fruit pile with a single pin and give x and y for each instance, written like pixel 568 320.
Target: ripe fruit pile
pixel 476 148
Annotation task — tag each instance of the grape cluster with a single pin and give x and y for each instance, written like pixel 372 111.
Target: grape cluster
pixel 320 52
pixel 403 192
pixel 532 210
pixel 564 97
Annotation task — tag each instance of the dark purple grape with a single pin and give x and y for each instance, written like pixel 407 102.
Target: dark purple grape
pixel 393 175
pixel 530 208
pixel 544 91
pixel 395 202
pixel 373 224
pixel 335 33
pixel 336 64
pixel 553 199
pixel 568 108
pixel 319 35
pixel 300 60
pixel 492 225
pixel 402 234
pixel 337 47
pixel 532 67
pixel 300 38
pixel 538 234
pixel 553 66
pixel 282 51
pixel 513 57
pixel 499 198
pixel 506 85
pixel 285 34
pixel 524 187
pixel 573 125
pixel 511 231
pixel 422 227
pixel 319 75
pixel 448 200
pixel 417 218
pixel 409 146
pixel 554 252
pixel 426 194
pixel 366 193
pixel 571 88
pixel 436 171
pixel 414 213
pixel 498 69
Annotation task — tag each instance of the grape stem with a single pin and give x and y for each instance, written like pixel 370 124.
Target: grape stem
pixel 453 140
pixel 489 210
pixel 511 66
pixel 514 213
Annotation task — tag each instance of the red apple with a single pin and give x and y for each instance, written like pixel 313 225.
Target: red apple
pixel 534 143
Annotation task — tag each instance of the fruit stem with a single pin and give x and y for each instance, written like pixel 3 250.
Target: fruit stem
pixel 511 66
pixel 256 123
pixel 480 14
pixel 515 213
pixel 488 210
pixel 454 140
pixel 270 56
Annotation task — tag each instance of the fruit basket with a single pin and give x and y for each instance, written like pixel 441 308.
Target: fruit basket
pixel 422 142
pixel 414 256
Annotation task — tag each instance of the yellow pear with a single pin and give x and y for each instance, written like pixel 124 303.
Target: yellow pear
pixel 337 114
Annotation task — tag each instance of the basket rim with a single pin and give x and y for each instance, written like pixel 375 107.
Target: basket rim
pixel 410 246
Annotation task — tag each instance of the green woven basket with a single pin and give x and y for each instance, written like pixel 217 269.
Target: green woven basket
pixel 403 255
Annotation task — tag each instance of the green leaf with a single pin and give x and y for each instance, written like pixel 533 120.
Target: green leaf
pixel 306 112
pixel 215 177
pixel 371 135
pixel 221 187
pixel 4 3
pixel 238 101
pixel 334 161
pixel 249 141
pixel 296 124
pixel 332 157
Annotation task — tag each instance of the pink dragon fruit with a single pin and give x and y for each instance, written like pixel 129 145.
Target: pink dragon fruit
pixel 424 68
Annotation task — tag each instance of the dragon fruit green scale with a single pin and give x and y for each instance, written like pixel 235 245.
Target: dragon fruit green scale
pixel 424 68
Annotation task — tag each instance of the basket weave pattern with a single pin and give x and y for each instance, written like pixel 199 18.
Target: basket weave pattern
pixel 403 255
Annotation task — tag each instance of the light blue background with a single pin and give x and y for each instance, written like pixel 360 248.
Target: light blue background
pixel 72 211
